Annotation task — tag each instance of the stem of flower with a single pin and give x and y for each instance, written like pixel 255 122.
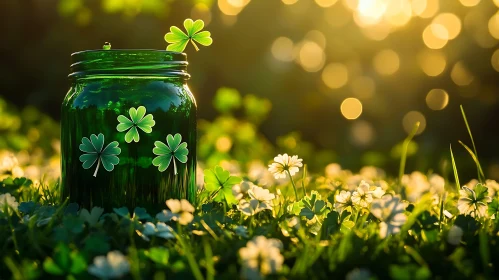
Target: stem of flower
pixel 174 166
pixel 194 44
pixel 97 169
pixel 293 183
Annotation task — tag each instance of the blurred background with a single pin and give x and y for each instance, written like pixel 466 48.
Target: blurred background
pixel 330 80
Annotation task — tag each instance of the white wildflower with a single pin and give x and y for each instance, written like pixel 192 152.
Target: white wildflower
pixel 358 274
pixel 437 184
pixel 259 173
pixel 342 200
pixel 260 199
pixel 455 235
pixel 333 170
pixel 473 201
pixel 160 230
pixel 283 164
pixel 371 173
pixel 114 265
pixel 180 211
pixel 362 197
pixel 241 189
pixel 261 257
pixel 390 210
pixel 415 185
pixel 9 201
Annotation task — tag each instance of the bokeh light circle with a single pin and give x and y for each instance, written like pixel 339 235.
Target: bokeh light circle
pixel 495 60
pixel 386 62
pixel 410 119
pixel 351 108
pixel 437 99
pixel 363 87
pixel 335 75
pixel 460 75
pixel 450 22
pixel 362 133
pixel 494 25
pixel 426 8
pixel 432 62
pixel 282 49
pixel 311 56
pixel 434 36
pixel 469 3
pixel 325 3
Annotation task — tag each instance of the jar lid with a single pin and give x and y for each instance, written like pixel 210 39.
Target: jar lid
pixel 129 63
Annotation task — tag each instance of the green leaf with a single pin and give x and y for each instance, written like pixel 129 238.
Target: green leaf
pixel 493 208
pixel 178 40
pixel 219 183
pixel 92 218
pixel 78 263
pixel 141 213
pixel 138 119
pixel 158 255
pixel 61 256
pixel 96 153
pixel 172 151
pixel 122 212
pixel 51 267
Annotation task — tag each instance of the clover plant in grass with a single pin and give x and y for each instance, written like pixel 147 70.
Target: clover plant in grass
pixel 178 40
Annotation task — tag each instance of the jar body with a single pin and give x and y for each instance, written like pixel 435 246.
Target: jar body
pixel 128 176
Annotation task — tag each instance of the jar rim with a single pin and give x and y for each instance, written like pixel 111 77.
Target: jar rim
pixel 130 62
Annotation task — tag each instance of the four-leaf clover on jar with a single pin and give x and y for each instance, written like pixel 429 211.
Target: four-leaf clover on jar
pixel 138 119
pixel 94 151
pixel 173 150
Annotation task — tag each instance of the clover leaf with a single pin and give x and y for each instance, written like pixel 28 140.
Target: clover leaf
pixel 178 39
pixel 219 182
pixel 167 153
pixel 138 119
pixel 96 152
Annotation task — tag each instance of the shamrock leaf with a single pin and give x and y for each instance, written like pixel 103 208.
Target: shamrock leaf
pixel 166 153
pixel 95 152
pixel 314 206
pixel 65 262
pixel 138 119
pixel 178 39
pixel 219 182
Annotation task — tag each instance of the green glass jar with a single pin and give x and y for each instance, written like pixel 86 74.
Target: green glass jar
pixel 128 130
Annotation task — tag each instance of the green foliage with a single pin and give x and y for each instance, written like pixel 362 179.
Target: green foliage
pixel 178 40
pixel 218 184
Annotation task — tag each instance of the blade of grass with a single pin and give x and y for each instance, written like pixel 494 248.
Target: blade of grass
pixel 481 176
pixel 304 176
pixel 405 146
pixel 454 167
pixel 210 266
pixel 475 156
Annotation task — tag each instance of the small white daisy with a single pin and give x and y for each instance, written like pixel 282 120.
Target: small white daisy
pixel 180 211
pixel 114 265
pixel 283 164
pixel 8 200
pixel 362 197
pixel 342 201
pixel 390 210
pixel 261 257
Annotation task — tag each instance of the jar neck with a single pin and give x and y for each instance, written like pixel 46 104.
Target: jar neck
pixel 151 64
